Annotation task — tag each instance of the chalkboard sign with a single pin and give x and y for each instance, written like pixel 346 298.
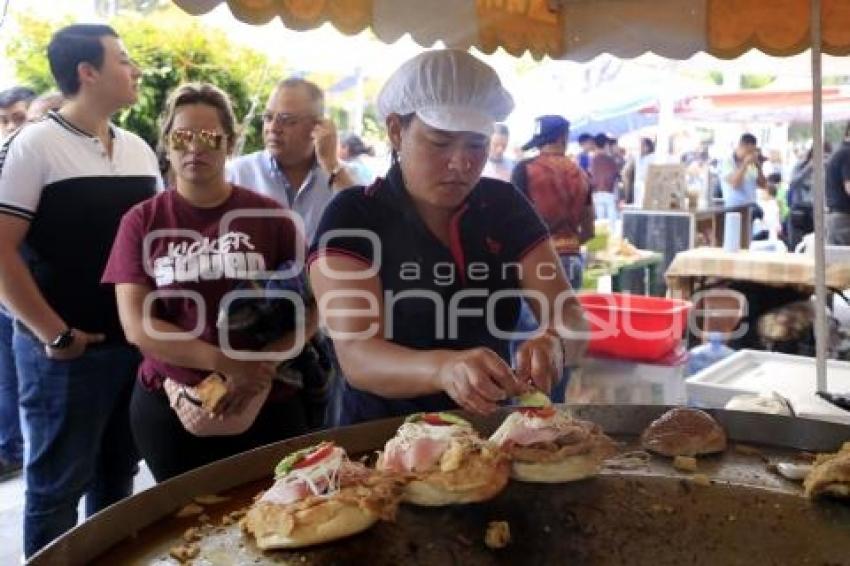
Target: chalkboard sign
pixel 666 232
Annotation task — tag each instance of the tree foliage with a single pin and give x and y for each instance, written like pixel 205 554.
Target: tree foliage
pixel 170 48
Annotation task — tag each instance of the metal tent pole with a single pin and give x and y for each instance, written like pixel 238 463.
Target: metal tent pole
pixel 821 336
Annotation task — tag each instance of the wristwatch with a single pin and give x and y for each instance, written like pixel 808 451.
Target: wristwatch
pixel 63 340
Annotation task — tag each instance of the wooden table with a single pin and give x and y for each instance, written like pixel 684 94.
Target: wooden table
pixel 691 268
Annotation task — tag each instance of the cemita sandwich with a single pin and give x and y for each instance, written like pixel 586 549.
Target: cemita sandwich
pixel 547 445
pixel 444 460
pixel 319 495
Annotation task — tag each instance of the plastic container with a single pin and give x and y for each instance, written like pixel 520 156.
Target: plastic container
pixel 634 327
pixel 750 372
pixel 708 354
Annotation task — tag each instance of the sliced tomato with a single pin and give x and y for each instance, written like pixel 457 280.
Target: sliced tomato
pixel 540 412
pixel 322 451
pixel 434 419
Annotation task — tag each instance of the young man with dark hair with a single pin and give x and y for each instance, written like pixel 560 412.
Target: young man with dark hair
pixel 65 183
pixel 13 108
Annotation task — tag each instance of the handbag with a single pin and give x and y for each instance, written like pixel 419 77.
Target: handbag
pixel 194 407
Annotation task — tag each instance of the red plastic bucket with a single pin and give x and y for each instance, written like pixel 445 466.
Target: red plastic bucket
pixel 633 326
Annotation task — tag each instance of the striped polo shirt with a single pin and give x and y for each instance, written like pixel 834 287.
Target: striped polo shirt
pixel 62 180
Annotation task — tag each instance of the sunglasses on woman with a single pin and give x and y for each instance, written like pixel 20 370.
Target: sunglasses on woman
pixel 206 139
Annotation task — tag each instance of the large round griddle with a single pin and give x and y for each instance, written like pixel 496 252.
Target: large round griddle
pixel 652 515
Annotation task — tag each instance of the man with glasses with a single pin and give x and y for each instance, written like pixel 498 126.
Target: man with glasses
pixel 299 166
pixel 65 183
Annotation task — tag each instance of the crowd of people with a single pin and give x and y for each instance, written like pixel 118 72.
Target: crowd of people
pixel 184 305
pixel 780 196
pixel 143 316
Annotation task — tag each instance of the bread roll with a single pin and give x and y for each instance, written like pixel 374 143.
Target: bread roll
pixel 684 432
pixel 274 528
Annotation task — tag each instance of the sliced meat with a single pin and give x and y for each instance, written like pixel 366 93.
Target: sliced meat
pixel 286 490
pixel 413 454
pixel 523 431
pixel 293 488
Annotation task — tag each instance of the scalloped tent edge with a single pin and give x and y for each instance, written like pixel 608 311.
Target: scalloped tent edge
pixel 576 30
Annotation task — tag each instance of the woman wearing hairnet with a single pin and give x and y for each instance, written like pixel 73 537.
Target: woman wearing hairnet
pixel 419 276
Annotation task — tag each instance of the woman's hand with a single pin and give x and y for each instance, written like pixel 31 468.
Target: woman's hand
pixel 478 379
pixel 244 380
pixel 540 361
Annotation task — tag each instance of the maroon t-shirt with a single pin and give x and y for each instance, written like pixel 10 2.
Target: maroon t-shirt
pixel 170 245
pixel 603 172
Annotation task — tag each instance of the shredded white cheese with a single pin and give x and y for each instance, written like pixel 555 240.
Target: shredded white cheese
pixel 323 477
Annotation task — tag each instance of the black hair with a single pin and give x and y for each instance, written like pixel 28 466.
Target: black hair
pixel 501 129
pixel 775 178
pixel 748 139
pixel 16 94
pixel 72 45
pixel 649 144
pixel 600 140
pixel 585 137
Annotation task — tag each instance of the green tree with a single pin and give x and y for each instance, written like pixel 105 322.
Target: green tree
pixel 750 81
pixel 170 48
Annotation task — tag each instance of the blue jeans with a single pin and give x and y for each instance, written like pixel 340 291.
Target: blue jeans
pixel 11 441
pixel 527 322
pixel 77 434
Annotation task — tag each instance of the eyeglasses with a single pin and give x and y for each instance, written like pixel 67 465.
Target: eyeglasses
pixel 285 119
pixel 206 139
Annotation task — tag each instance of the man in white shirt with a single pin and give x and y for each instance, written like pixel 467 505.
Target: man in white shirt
pixel 65 183
pixel 299 166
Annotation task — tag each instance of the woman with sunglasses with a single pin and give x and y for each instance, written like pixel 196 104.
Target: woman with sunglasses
pixel 418 276
pixel 177 260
